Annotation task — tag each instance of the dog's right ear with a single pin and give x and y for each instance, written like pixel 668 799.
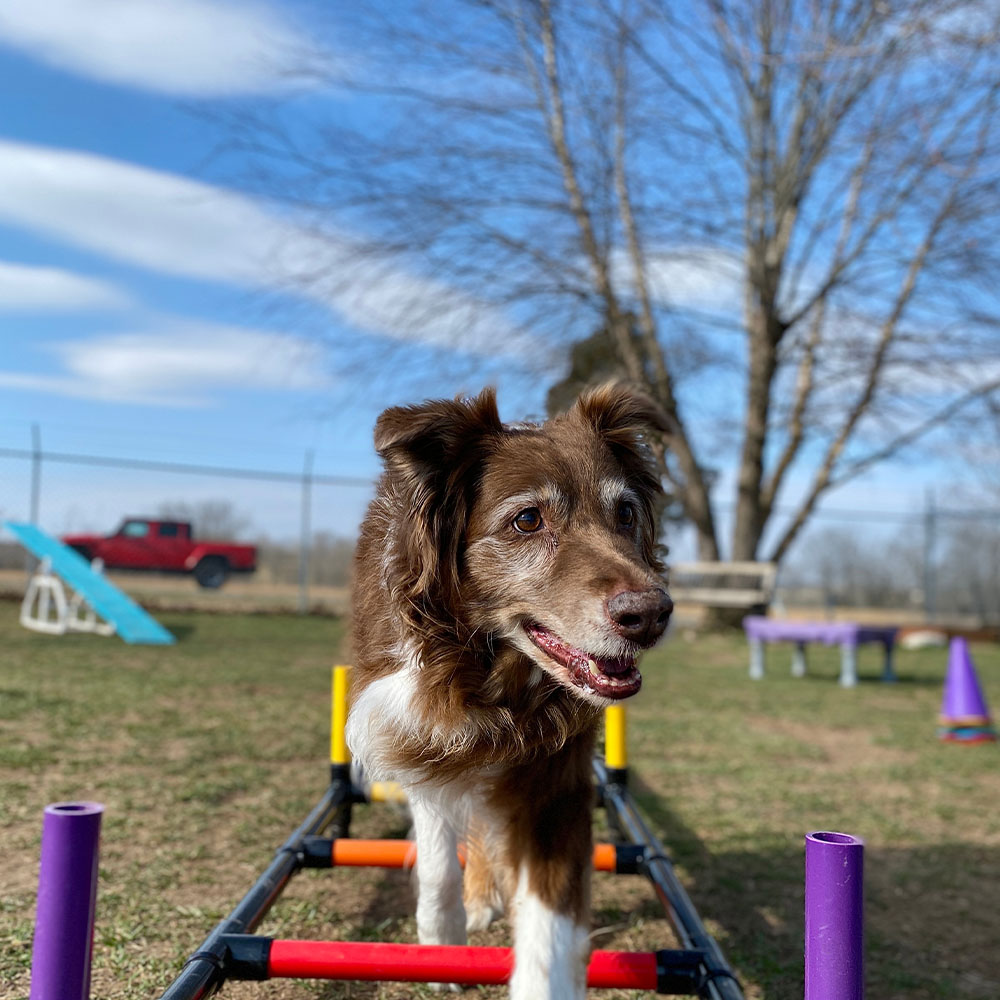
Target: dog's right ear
pixel 431 451
pixel 621 412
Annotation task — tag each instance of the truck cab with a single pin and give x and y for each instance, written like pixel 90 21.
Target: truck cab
pixel 142 543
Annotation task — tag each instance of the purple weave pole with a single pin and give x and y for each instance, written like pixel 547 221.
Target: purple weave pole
pixel 67 894
pixel 835 953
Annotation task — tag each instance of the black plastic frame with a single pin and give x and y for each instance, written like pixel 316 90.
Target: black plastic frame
pixel 232 951
pixel 209 967
pixel 718 980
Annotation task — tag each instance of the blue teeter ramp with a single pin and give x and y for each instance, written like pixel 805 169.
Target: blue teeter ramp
pixel 131 623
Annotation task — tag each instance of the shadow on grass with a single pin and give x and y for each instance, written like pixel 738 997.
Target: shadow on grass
pixel 904 680
pixel 923 939
pixel 872 680
pixel 394 897
pixel 181 632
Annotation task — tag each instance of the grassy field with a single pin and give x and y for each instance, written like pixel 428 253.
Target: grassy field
pixel 207 754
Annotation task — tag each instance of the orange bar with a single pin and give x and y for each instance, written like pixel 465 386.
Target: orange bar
pixel 403 854
pixel 374 853
pixel 605 858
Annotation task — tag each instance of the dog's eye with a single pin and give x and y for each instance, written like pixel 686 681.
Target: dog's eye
pixel 529 520
pixel 626 514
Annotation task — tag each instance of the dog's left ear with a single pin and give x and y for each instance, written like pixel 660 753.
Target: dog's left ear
pixel 621 413
pixel 623 417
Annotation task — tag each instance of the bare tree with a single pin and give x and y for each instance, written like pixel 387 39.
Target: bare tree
pixel 851 568
pixel 968 571
pixel 215 519
pixel 783 214
pixel 330 559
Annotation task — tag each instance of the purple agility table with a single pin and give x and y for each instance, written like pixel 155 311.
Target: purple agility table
pixel 847 635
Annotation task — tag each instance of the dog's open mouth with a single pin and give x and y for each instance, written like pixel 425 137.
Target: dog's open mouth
pixel 617 678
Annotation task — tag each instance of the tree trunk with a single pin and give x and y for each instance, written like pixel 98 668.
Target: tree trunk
pixel 750 519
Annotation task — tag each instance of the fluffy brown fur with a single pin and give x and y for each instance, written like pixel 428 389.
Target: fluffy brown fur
pixel 501 561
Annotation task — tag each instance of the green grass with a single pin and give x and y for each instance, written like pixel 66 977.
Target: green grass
pixel 208 753
pixel 734 773
pixel 189 747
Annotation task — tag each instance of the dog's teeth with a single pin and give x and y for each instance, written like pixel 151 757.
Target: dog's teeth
pixel 593 668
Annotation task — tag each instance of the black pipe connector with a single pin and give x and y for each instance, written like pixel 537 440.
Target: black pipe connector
pixel 680 972
pixel 630 859
pixel 247 956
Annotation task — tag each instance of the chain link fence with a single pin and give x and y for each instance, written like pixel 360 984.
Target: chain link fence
pixel 303 524
pixel 931 562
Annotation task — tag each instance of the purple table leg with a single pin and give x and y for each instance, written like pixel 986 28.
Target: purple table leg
pixel 848 664
pixel 835 960
pixel 799 660
pixel 888 673
pixel 67 894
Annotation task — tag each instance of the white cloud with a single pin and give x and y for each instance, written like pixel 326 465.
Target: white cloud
pixel 189 48
pixel 374 294
pixel 688 276
pixel 697 277
pixel 25 288
pixel 177 226
pixel 143 217
pixel 181 364
pixel 939 381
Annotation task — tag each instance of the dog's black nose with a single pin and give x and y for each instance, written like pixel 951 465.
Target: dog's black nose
pixel 641 615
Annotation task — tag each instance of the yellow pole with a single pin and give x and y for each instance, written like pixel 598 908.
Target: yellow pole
pixel 615 749
pixel 339 754
pixel 386 791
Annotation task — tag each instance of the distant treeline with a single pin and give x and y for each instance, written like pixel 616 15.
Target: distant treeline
pixel 329 561
pixel 834 568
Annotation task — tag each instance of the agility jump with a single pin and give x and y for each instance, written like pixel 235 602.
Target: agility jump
pixel 834 933
pixel 232 952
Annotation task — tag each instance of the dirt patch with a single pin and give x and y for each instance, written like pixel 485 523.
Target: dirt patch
pixel 848 747
pixel 251 594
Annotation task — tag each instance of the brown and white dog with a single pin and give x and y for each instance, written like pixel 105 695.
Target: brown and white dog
pixel 506 580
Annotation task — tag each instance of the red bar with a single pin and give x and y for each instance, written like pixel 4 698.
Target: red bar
pixel 403 854
pixel 440 963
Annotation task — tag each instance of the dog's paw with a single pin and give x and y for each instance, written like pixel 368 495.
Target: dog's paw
pixel 445 987
pixel 479 916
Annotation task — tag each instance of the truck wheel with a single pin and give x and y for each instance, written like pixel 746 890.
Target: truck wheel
pixel 211 572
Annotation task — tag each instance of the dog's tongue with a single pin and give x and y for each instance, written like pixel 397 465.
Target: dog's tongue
pixel 613 668
pixel 611 678
pixel 568 654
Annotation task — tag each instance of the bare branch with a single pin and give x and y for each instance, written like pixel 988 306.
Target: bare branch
pixel 780 214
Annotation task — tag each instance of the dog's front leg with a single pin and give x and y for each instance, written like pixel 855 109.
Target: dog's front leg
pixel 440 913
pixel 552 902
pixel 551 948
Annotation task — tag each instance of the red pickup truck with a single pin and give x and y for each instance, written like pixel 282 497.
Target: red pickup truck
pixel 166 546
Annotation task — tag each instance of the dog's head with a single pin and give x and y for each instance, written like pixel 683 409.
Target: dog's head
pixel 540 538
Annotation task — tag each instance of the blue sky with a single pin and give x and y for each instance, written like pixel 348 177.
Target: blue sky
pixel 140 310
pixel 138 314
